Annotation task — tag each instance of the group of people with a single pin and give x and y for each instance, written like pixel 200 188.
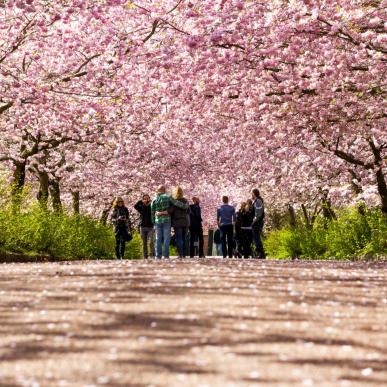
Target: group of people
pixel 238 231
pixel 158 216
pixel 165 211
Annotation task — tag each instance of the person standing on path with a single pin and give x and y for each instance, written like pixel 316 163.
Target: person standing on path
pixel 180 221
pixel 238 231
pixel 121 222
pixel 162 219
pixel 257 224
pixel 196 228
pixel 247 217
pixel 147 230
pixel 226 219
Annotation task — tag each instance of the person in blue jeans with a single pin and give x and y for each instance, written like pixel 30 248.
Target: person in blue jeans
pixel 225 216
pixel 162 220
pixel 180 221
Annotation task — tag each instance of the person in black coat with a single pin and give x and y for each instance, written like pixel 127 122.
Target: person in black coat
pixel 239 246
pixel 246 236
pixel 121 222
pixel 147 230
pixel 196 228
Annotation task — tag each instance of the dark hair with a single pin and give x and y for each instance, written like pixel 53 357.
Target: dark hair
pixel 225 199
pixel 257 194
pixel 145 195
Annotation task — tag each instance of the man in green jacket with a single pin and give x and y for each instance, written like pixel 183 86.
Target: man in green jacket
pixel 162 220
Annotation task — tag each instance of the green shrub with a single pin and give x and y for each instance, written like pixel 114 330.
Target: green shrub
pixel 351 235
pixel 35 231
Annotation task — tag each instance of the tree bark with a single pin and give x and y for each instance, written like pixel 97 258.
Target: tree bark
pixel 292 215
pixel 105 214
pixel 43 190
pixel 382 189
pixel 19 179
pixel 327 209
pixel 306 216
pixel 55 195
pixel 76 202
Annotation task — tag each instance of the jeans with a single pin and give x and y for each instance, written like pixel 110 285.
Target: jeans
pixel 120 244
pixel 163 235
pixel 218 248
pixel 196 233
pixel 227 237
pixel 147 235
pixel 181 235
pixel 257 231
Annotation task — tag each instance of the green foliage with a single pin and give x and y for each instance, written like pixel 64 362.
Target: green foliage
pixel 351 235
pixel 36 231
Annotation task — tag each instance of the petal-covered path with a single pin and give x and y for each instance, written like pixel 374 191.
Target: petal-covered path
pixel 211 322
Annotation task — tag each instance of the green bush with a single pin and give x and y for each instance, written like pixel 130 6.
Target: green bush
pixel 36 231
pixel 351 235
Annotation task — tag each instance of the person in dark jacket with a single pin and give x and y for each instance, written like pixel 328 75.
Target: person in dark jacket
pixel 257 224
pixel 180 221
pixel 196 228
pixel 238 231
pixel 147 230
pixel 121 222
pixel 246 236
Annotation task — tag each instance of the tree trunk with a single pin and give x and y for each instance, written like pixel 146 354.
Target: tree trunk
pixel 105 214
pixel 76 201
pixel 327 209
pixel 292 215
pixel 55 195
pixel 43 190
pixel 382 189
pixel 19 179
pixel 306 216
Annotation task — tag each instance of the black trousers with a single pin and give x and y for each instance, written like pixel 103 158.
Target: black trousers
pixel 257 231
pixel 246 240
pixel 227 237
pixel 196 233
pixel 120 243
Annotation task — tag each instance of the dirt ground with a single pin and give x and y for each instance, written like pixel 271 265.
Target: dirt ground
pixel 209 322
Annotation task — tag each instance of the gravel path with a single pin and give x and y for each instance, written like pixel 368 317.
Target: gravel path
pixel 211 322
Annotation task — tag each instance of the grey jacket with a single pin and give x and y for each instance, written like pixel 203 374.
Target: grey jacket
pixel 179 216
pixel 259 211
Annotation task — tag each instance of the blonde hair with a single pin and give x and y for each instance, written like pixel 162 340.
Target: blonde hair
pixel 116 200
pixel 177 193
pixel 243 205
